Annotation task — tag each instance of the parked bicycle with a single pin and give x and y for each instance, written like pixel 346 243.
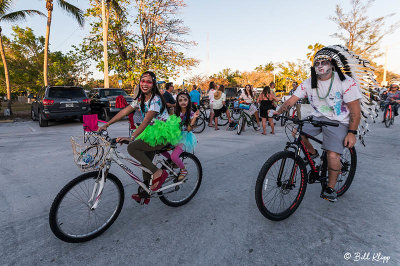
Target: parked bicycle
pixel 89 204
pixel 282 181
pixel 245 120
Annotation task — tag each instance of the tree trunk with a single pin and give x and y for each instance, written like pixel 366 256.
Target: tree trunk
pixel 3 57
pixel 49 7
pixel 105 42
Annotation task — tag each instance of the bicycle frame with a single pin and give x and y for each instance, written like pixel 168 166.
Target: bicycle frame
pixel 318 173
pixel 116 156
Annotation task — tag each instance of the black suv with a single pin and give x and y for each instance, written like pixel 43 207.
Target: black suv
pixel 59 102
pixel 103 102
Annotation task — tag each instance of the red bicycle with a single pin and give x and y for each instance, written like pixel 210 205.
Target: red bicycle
pixel 388 115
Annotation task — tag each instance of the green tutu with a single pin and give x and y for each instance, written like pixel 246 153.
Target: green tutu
pixel 162 133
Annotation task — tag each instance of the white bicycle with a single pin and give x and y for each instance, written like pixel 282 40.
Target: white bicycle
pixel 89 204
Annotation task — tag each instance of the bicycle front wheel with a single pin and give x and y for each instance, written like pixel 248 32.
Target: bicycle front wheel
pixel 388 118
pixel 241 124
pixel 349 164
pixel 71 217
pixel 281 185
pixel 181 194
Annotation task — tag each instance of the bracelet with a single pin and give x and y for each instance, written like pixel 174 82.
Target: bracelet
pixel 354 132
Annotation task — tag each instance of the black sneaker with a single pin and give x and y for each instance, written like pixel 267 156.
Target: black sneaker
pixel 312 156
pixel 329 194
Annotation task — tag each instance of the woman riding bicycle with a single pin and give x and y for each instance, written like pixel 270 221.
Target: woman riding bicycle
pixel 157 130
pixel 248 96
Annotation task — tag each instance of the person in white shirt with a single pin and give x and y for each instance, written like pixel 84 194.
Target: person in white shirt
pixel 334 97
pixel 211 90
pixel 248 97
pixel 219 106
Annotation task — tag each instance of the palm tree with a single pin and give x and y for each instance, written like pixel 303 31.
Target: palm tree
pixel 69 8
pixel 5 6
pixel 105 16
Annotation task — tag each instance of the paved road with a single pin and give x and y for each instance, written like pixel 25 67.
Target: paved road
pixel 220 226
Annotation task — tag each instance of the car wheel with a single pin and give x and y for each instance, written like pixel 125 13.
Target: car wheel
pixel 42 121
pixel 104 114
pixel 33 116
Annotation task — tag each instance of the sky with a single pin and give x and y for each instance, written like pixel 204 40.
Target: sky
pixel 241 34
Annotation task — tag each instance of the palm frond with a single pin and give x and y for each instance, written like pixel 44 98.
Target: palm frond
pixel 4 6
pixel 73 11
pixel 20 15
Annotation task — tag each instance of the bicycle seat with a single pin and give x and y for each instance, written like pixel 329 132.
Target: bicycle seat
pixel 169 147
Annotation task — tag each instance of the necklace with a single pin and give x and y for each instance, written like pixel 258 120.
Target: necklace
pixel 330 87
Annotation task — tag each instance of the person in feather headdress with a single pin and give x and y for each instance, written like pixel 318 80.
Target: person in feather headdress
pixel 334 97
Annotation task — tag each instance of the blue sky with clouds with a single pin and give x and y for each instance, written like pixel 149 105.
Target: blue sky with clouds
pixel 241 34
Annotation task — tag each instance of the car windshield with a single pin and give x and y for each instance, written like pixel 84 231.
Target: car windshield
pixel 66 93
pixel 113 92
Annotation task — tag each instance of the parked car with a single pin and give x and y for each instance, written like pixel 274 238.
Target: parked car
pixel 59 102
pixel 103 102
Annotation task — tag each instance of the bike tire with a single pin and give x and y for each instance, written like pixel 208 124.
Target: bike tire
pixel 55 225
pixel 348 171
pixel 254 123
pixel 195 173
pixel 241 124
pixel 261 185
pixel 223 120
pixel 387 118
pixel 199 126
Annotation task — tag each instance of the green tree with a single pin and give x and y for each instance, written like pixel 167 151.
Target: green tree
pixel 70 9
pixel 152 41
pixel 360 33
pixel 290 72
pixel 6 15
pixel 25 57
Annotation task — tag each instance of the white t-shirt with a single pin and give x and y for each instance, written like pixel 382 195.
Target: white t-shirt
pixel 246 98
pixel 211 95
pixel 153 105
pixel 334 105
pixel 217 104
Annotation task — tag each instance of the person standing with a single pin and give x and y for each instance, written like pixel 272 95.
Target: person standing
pixel 195 97
pixel 266 101
pixel 219 106
pixel 299 102
pixel 211 90
pixel 169 99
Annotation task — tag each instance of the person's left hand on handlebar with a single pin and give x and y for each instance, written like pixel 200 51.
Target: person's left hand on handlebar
pixel 120 140
pixel 103 127
pixel 350 140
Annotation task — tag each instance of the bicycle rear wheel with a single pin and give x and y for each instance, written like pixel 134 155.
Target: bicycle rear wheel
pixel 277 197
pixel 241 124
pixel 349 164
pixel 181 194
pixel 200 125
pixel 388 118
pixel 71 217
pixel 223 120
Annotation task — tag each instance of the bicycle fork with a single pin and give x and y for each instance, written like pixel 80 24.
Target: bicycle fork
pixel 98 188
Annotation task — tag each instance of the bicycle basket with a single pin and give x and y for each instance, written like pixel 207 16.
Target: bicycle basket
pixel 90 156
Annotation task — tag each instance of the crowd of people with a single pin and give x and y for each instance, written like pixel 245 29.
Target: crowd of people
pixel 169 118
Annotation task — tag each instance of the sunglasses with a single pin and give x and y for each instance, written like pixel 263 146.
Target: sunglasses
pixel 322 63
pixel 146 81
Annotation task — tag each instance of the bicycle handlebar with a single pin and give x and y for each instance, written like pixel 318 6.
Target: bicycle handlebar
pixel 310 120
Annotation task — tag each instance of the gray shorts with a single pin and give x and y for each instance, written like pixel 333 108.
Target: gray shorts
pixel 332 137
